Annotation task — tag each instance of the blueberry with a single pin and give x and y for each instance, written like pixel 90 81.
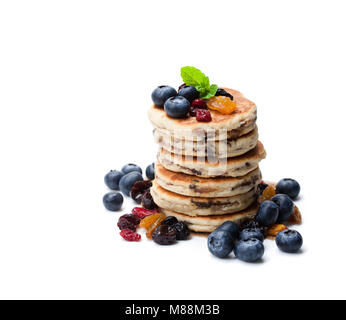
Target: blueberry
pixel 161 94
pixel 285 205
pixel 112 179
pixel 130 167
pixel 222 92
pixel 189 92
pixel 288 186
pixel 128 180
pixel 289 241
pixel 220 243
pixel 177 107
pixel 170 221
pixel 251 233
pixel 231 227
pixel 150 171
pixel 113 201
pixel 249 250
pixel 267 214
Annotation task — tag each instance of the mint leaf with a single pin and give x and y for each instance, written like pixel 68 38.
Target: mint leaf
pixel 192 76
pixel 196 78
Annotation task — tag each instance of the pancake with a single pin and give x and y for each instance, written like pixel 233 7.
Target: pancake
pixel 202 167
pixel 233 125
pixel 209 224
pixel 210 148
pixel 188 185
pixel 201 206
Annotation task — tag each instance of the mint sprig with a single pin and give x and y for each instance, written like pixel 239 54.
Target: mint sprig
pixel 196 78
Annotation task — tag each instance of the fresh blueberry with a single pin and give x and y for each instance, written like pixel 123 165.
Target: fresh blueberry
pixel 161 94
pixel 289 241
pixel 130 167
pixel 251 233
pixel 128 180
pixel 177 107
pixel 267 214
pixel 113 201
pixel 288 186
pixel 220 243
pixel 249 250
pixel 189 92
pixel 150 171
pixel 231 227
pixel 112 179
pixel 285 205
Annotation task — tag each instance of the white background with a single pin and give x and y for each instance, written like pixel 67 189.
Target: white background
pixel 75 85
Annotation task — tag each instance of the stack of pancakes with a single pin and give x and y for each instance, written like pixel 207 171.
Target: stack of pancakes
pixel 207 172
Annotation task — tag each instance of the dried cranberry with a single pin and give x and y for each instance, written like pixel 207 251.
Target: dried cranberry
pixel 164 234
pixel 148 202
pixel 141 213
pixel 130 235
pixel 199 103
pixel 203 115
pixel 138 190
pixel 128 221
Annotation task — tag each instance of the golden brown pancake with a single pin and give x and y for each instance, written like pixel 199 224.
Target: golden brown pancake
pixel 209 167
pixel 189 128
pixel 210 223
pixel 193 186
pixel 201 206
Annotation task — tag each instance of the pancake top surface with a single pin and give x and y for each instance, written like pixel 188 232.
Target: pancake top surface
pixel 246 111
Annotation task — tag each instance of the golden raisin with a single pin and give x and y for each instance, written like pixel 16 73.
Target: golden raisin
pixel 152 227
pixel 296 217
pixel 222 104
pixel 149 220
pixel 275 229
pixel 267 194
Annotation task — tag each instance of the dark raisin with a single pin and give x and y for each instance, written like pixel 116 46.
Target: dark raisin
pixel 139 189
pixel 222 92
pixel 148 202
pixel 261 187
pixel 128 221
pixel 181 230
pixel 164 234
pixel 182 86
pixel 170 221
pixel 251 224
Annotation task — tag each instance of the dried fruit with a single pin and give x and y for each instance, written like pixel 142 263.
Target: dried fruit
pixel 138 189
pixel 164 235
pixel 296 216
pixel 141 213
pixel 222 92
pixel 148 201
pixel 130 235
pixel 199 103
pixel 149 220
pixel 275 229
pixel 152 228
pixel 170 221
pixel 222 104
pixel 261 187
pixel 128 221
pixel 267 194
pixel 203 115
pixel 182 230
